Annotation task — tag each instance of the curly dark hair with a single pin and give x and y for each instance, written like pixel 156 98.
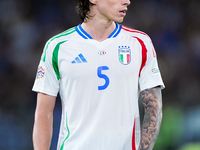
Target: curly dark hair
pixel 83 8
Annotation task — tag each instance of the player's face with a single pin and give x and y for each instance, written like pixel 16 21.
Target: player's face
pixel 112 10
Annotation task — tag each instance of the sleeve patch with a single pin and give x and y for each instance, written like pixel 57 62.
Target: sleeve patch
pixel 155 71
pixel 40 73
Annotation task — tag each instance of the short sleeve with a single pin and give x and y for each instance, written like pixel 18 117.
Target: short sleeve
pixel 46 80
pixel 150 75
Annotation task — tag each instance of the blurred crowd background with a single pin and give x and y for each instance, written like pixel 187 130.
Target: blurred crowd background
pixel 174 27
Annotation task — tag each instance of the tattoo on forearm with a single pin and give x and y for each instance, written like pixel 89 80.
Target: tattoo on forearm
pixel 151 99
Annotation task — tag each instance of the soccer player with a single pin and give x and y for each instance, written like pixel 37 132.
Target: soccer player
pixel 99 67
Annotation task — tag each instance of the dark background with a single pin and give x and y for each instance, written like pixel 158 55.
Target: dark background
pixel 174 27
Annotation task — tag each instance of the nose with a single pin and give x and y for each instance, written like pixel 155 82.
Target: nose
pixel 126 2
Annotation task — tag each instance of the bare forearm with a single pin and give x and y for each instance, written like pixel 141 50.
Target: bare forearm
pixel 152 101
pixel 42 133
pixel 43 126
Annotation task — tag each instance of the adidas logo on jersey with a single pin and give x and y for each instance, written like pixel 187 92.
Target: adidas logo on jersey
pixel 79 59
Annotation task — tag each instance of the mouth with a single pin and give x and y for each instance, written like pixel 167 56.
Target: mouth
pixel 123 12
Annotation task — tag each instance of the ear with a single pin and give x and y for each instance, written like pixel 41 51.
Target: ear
pixel 94 2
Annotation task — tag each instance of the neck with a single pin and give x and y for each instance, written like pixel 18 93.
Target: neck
pixel 98 29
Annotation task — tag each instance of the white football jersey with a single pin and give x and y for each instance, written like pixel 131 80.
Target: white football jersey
pixel 99 85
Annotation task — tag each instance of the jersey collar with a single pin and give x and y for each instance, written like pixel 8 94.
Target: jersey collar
pixel 85 35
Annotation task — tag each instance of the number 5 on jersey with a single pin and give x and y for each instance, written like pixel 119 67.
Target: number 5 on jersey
pixel 103 76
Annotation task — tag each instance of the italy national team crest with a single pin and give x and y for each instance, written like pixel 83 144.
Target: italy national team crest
pixel 124 55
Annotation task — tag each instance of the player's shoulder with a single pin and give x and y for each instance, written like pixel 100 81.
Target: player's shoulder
pixel 63 36
pixel 134 33
pixel 56 40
